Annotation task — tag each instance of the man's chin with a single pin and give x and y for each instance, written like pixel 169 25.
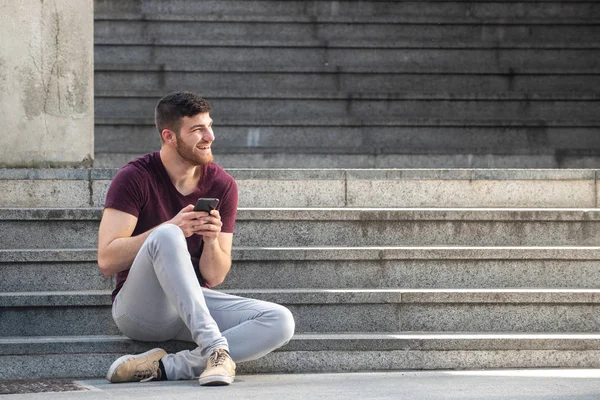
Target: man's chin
pixel 205 159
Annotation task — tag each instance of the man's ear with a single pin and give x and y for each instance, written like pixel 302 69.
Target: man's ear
pixel 168 136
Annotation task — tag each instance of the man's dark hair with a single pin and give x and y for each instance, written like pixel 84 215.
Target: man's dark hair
pixel 174 106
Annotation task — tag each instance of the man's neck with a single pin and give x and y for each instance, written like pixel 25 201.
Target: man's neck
pixel 184 175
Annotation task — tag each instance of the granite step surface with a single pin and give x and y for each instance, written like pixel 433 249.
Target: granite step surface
pixel 366 111
pixel 193 32
pixel 514 12
pixel 349 227
pixel 258 158
pixel 167 78
pixel 366 188
pixel 338 310
pixel 434 61
pixel 44 270
pixel 90 356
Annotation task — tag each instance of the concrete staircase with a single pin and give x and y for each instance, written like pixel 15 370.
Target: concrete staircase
pixel 382 269
pixel 357 84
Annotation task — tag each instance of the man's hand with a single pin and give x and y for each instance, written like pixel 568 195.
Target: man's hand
pixel 198 222
pixel 208 225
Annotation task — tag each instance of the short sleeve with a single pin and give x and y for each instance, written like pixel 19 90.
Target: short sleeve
pixel 127 191
pixel 228 206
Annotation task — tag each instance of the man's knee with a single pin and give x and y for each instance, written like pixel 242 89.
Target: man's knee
pixel 284 324
pixel 166 233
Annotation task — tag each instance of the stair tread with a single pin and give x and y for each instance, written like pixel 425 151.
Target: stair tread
pixel 315 95
pixel 342 253
pixel 337 296
pixel 346 19
pixel 322 342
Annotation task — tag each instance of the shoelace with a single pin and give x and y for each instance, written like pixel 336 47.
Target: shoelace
pixel 147 375
pixel 218 357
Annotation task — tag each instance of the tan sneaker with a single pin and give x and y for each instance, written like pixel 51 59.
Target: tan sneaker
pixel 220 369
pixel 136 368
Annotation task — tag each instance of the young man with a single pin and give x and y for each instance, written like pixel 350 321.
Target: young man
pixel 166 257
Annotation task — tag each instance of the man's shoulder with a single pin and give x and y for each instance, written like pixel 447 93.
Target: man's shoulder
pixel 139 166
pixel 219 174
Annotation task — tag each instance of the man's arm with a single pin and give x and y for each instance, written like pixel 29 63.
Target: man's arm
pixel 117 248
pixel 215 260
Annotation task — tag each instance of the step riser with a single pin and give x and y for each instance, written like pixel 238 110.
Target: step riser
pixel 259 159
pixel 57 321
pixel 474 317
pixel 413 274
pixel 336 190
pixel 416 233
pixel 409 11
pixel 49 234
pixel 52 276
pixel 371 60
pixel 365 111
pixel 96 365
pixel 248 85
pixel 344 35
pixel 30 277
pixel 363 140
pixel 83 234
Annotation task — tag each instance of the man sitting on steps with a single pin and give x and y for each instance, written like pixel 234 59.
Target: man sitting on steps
pixel 166 257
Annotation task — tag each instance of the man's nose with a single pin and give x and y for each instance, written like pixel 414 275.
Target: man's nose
pixel 209 135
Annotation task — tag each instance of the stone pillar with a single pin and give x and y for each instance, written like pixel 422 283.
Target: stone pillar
pixel 46 83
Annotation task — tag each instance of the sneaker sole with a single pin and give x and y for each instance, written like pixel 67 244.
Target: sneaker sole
pixel 122 359
pixel 216 380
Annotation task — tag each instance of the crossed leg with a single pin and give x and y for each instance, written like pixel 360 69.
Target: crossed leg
pixel 162 300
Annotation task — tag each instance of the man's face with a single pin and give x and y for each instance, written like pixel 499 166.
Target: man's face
pixel 195 139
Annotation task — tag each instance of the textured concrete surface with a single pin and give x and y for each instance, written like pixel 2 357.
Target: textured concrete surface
pixel 312 97
pixel 46 84
pixel 367 111
pixel 372 60
pixel 349 341
pixel 339 310
pixel 384 11
pixel 330 188
pixel 77 228
pixel 416 273
pixel 502 193
pixel 292 33
pixel 256 268
pixel 53 276
pixel 546 384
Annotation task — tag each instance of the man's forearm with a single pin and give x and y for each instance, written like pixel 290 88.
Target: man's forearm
pixel 214 262
pixel 121 252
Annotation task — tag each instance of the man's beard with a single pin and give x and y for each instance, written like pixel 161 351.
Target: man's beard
pixel 187 153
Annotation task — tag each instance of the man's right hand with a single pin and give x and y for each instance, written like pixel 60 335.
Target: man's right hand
pixel 186 220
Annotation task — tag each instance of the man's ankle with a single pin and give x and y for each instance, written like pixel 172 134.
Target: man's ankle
pixel 163 374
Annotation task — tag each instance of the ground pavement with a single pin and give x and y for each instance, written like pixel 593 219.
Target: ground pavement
pixel 426 385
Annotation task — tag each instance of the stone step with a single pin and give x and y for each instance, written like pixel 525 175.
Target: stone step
pixel 337 310
pixel 113 78
pixel 146 95
pixel 341 267
pixel 51 270
pixel 366 111
pixel 49 188
pixel 141 31
pixel 500 12
pixel 343 60
pixel 91 356
pixel 259 158
pixel 301 227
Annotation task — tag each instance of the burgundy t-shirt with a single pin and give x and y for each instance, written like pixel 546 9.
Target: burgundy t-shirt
pixel 143 189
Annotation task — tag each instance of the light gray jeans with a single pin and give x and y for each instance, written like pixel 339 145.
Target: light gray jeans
pixel 162 300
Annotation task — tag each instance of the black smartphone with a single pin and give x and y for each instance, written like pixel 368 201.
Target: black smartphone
pixel 206 205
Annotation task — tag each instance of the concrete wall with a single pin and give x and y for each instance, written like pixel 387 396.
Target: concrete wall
pixel 46 83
